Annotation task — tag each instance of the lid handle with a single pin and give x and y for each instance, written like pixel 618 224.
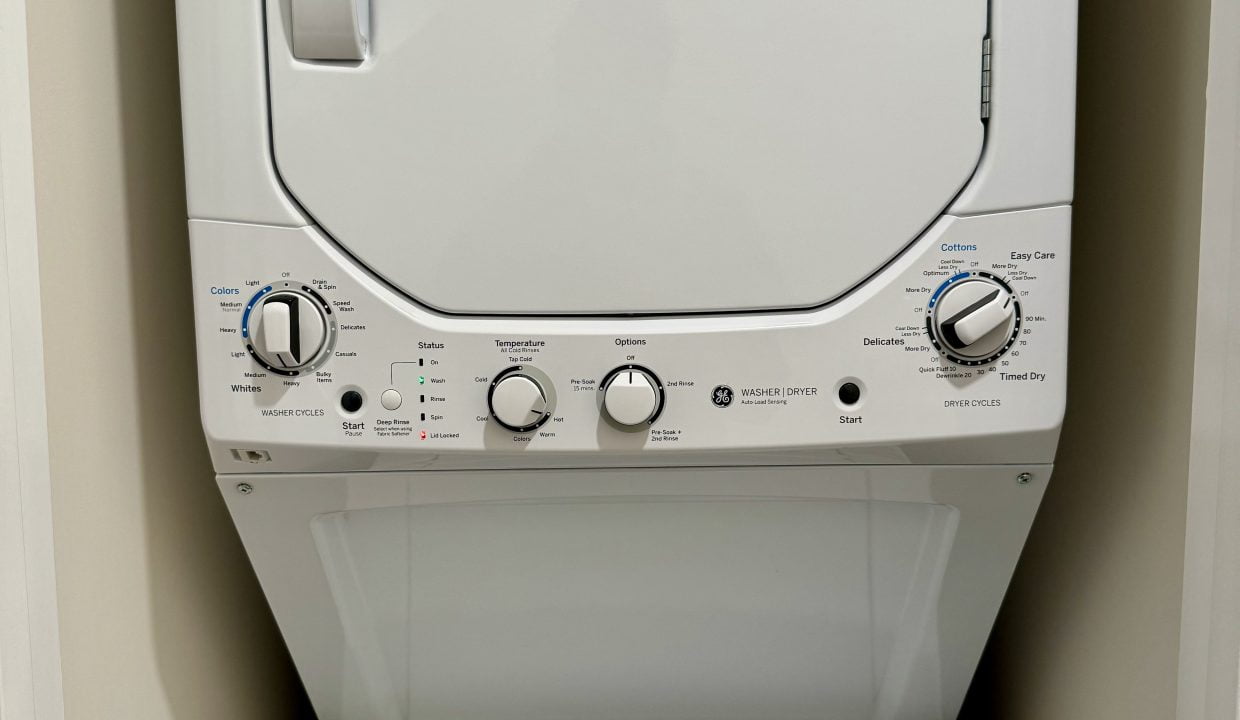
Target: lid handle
pixel 330 29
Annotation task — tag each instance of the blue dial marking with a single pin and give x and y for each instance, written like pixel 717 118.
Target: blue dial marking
pixel 949 281
pixel 245 317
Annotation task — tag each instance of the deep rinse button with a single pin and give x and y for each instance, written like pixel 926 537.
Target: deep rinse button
pixel 391 399
pixel 975 319
pixel 519 401
pixel 288 330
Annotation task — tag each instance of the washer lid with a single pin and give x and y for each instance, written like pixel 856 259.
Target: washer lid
pixel 633 156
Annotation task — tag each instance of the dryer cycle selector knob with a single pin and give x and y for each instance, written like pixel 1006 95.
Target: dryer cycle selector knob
pixel 974 318
pixel 288 329
pixel 632 397
pixel 519 399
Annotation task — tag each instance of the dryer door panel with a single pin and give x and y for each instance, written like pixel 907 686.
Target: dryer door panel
pixel 644 156
pixel 722 594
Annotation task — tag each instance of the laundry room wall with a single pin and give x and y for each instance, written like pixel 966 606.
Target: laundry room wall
pixel 1090 628
pixel 161 616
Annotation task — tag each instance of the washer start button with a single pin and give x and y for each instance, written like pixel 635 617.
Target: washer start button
pixel 351 401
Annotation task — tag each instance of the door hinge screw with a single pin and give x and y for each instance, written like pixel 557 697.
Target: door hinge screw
pixel 1024 478
pixel 245 488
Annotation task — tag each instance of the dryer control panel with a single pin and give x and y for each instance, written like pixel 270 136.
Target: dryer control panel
pixel 307 359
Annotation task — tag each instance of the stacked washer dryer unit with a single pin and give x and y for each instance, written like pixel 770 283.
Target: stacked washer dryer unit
pixel 601 359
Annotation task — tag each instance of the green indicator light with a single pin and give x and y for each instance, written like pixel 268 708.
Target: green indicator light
pixel 421 379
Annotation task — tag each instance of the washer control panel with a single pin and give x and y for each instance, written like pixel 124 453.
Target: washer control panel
pixel 301 352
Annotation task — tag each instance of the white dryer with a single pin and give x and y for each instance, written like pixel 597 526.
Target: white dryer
pixel 645 359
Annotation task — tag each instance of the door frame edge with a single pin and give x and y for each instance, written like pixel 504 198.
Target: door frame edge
pixel 31 684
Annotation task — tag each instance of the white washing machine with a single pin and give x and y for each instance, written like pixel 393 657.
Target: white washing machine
pixel 632 359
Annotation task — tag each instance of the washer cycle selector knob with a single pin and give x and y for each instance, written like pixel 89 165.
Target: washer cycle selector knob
pixel 287 329
pixel 632 397
pixel 974 319
pixel 518 400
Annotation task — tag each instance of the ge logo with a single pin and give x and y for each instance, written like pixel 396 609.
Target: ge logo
pixel 721 396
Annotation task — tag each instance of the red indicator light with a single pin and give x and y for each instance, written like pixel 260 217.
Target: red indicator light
pixel 422 434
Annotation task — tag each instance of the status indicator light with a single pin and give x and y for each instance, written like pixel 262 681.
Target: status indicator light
pixel 421 379
pixel 422 434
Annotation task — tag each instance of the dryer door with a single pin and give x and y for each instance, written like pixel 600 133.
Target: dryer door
pixel 690 594
pixel 632 156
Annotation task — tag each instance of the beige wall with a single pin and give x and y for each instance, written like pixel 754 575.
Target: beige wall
pixel 161 616
pixel 1091 625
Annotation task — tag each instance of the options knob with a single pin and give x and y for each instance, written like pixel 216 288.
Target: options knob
pixel 632 397
pixel 519 400
pixel 974 319
pixel 288 331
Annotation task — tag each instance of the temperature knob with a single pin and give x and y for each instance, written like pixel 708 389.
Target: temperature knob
pixel 288 331
pixel 974 319
pixel 518 400
pixel 632 397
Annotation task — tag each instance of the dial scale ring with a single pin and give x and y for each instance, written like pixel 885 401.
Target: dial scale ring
pixel 933 330
pixel 656 386
pixel 543 403
pixel 301 291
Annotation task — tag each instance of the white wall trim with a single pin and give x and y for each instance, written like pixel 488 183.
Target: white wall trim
pixel 1210 625
pixel 30 672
